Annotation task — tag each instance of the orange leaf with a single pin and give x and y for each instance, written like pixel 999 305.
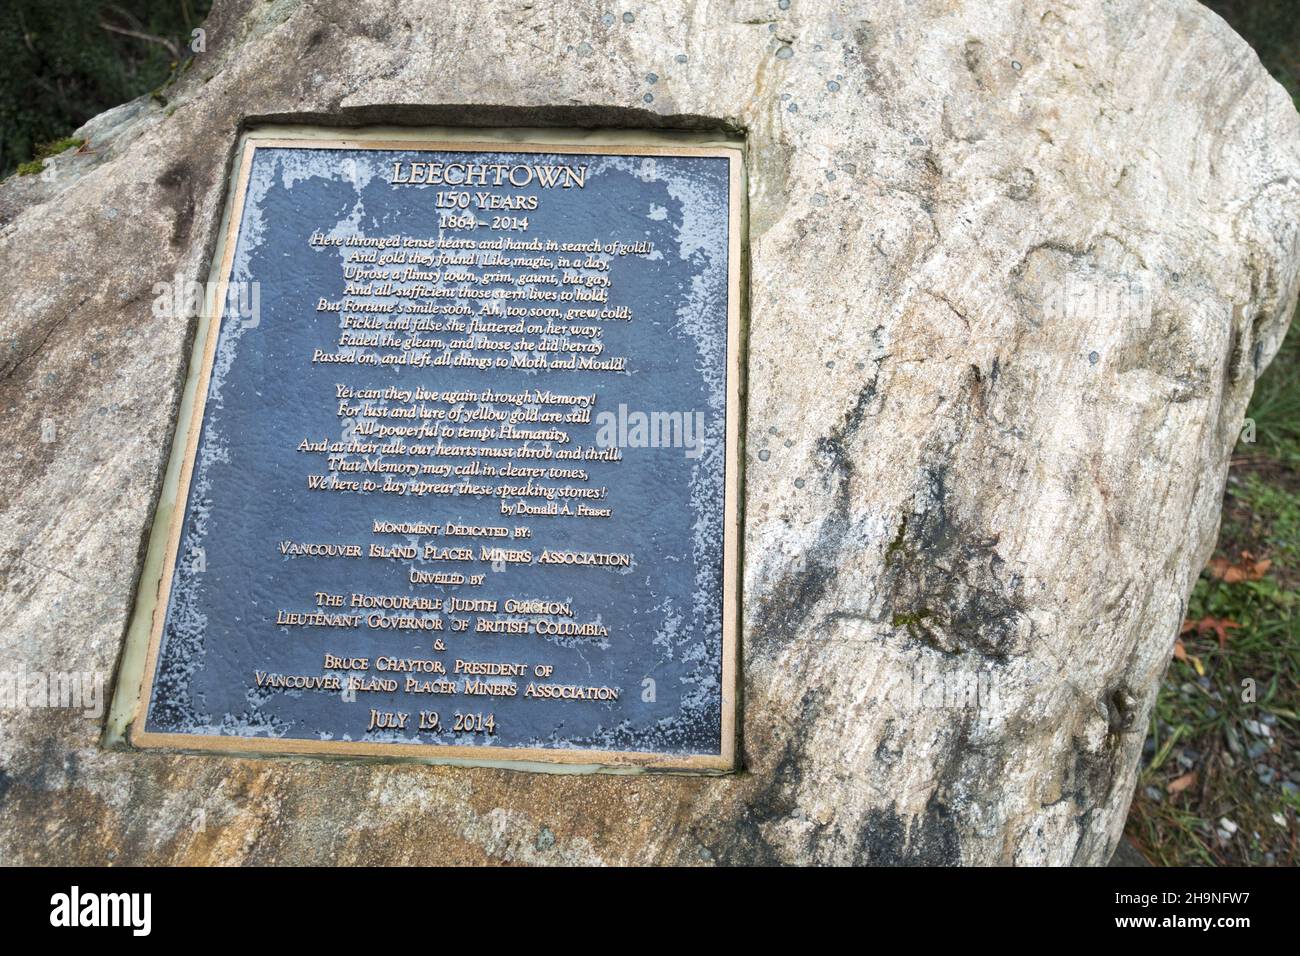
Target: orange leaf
pixel 1220 626
pixel 1244 569
pixel 1180 650
pixel 1180 784
pixel 1219 569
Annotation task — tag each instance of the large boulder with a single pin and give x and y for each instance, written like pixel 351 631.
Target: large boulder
pixel 1014 269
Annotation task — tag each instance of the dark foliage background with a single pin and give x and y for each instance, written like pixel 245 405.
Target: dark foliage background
pixel 66 60
pixel 63 61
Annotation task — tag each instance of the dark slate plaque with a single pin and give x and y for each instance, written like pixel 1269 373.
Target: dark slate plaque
pixel 461 480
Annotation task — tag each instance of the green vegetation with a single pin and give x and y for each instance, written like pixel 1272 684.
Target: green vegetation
pixel 66 61
pixel 1220 781
pixel 46 151
pixel 1275 406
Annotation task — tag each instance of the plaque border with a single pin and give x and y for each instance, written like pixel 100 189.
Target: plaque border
pixel 535 758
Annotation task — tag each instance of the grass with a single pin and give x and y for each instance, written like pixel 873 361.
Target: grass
pixel 45 151
pixel 1275 406
pixel 1220 783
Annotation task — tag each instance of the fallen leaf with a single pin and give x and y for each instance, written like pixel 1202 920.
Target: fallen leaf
pixel 1246 568
pixel 1219 626
pixel 1179 784
pixel 1180 654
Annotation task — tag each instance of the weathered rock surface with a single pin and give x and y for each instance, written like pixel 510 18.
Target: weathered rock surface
pixel 1015 267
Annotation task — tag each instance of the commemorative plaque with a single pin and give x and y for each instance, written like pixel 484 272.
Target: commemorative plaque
pixel 460 479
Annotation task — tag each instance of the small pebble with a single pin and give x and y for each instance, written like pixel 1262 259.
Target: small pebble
pixel 1257 728
pixel 1234 742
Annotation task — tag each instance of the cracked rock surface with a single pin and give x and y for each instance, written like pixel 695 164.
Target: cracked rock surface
pixel 1014 270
